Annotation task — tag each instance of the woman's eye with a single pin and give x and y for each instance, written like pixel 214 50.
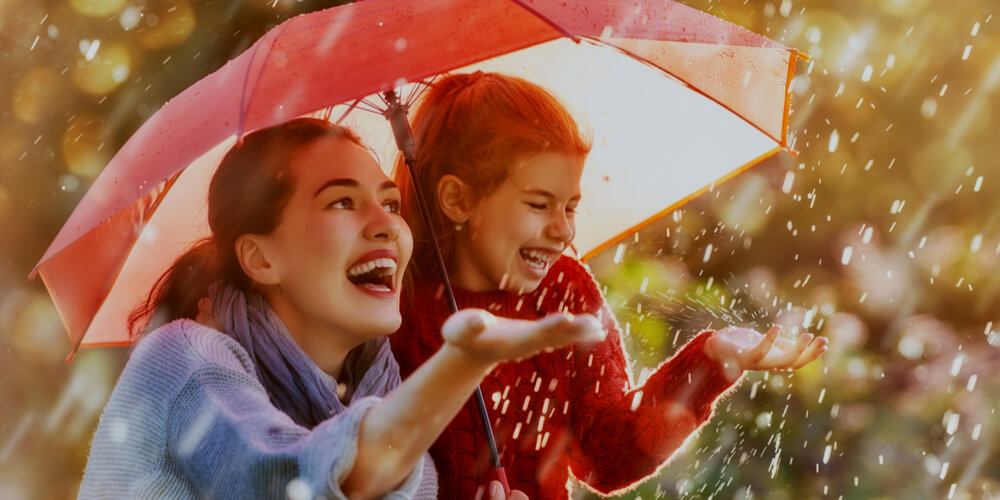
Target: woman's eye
pixel 537 206
pixel 342 203
pixel 392 207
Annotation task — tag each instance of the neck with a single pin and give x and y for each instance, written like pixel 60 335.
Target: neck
pixel 325 346
pixel 463 273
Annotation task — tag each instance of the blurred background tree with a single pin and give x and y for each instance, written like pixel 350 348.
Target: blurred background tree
pixel 883 234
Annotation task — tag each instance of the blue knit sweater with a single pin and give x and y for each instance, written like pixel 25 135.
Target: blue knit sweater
pixel 189 419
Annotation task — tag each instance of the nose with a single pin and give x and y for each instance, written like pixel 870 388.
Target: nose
pixel 561 228
pixel 382 225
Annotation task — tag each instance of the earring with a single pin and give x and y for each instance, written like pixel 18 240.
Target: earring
pixel 458 227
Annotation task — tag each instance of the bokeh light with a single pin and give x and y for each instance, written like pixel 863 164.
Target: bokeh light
pixel 97 8
pixel 83 146
pixel 102 67
pixel 167 26
pixel 36 94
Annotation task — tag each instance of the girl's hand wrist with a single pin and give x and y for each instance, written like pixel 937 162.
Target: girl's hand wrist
pixel 731 365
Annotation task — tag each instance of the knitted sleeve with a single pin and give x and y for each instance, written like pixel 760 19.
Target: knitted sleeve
pixel 229 440
pixel 623 434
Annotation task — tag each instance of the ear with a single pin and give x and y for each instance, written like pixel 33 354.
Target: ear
pixel 250 251
pixel 455 198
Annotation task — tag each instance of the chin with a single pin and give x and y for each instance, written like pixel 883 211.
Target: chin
pixel 523 285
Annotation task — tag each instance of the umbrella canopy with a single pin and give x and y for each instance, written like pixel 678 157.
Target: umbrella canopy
pixel 674 100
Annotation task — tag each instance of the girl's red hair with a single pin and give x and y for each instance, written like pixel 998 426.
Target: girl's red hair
pixel 476 127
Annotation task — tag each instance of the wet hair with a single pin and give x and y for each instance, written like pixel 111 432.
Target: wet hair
pixel 247 195
pixel 477 126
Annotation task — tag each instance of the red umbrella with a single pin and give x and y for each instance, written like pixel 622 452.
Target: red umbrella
pixel 661 85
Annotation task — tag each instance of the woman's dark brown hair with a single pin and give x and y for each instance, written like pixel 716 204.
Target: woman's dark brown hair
pixel 247 195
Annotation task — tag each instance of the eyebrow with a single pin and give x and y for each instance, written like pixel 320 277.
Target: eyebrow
pixel 542 192
pixel 345 182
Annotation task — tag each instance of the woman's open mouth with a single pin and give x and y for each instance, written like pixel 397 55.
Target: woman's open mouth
pixel 376 276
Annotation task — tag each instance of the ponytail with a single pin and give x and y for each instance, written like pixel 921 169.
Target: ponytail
pixel 177 291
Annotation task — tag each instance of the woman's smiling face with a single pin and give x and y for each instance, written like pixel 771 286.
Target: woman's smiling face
pixel 341 247
pixel 516 232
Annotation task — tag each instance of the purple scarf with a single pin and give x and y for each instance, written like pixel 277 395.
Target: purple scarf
pixel 294 383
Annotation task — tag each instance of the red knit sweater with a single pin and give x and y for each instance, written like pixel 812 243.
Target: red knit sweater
pixel 573 409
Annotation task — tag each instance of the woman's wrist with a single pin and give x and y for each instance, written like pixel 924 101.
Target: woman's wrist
pixel 462 359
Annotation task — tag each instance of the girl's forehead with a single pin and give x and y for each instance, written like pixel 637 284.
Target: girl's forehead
pixel 548 168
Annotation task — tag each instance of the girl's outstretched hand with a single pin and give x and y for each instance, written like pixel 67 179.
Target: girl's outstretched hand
pixel 741 349
pixel 488 338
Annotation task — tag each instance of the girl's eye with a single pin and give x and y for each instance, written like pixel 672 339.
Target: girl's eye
pixel 571 210
pixel 392 207
pixel 342 203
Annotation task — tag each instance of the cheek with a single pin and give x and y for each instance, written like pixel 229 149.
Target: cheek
pixel 323 246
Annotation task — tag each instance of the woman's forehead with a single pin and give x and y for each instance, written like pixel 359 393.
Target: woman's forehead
pixel 336 157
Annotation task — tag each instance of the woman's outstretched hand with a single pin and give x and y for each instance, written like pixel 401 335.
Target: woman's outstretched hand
pixel 741 349
pixel 488 338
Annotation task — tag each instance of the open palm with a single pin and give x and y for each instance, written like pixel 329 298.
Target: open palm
pixel 741 349
pixel 490 338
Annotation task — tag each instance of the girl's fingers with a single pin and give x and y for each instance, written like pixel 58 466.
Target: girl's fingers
pixel 814 351
pixel 790 356
pixel 757 354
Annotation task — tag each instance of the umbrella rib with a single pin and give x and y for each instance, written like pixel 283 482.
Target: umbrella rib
pixel 421 90
pixel 372 108
pixel 347 112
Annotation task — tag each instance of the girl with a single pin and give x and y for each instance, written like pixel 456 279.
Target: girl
pixel 301 396
pixel 501 160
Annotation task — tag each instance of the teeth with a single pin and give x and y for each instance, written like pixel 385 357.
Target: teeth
pixel 366 267
pixel 541 255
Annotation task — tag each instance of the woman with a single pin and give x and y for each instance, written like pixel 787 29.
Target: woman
pixel 500 160
pixel 301 396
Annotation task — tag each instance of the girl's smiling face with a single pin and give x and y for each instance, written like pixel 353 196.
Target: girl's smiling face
pixel 510 238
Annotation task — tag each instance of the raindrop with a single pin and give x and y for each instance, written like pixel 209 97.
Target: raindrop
pixel 977 243
pixel 619 253
pixel 866 75
pixel 834 140
pixel 971 384
pixel 845 259
pixel 786 187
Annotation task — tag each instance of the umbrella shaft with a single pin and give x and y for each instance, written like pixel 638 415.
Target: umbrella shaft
pixel 396 113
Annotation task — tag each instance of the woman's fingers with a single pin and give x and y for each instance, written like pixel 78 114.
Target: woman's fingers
pixel 467 324
pixel 554 331
pixel 490 338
